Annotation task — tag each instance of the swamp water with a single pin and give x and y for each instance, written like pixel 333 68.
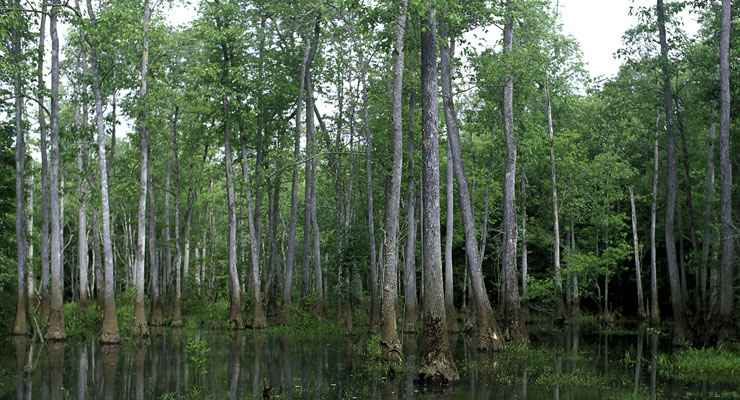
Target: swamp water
pixel 559 364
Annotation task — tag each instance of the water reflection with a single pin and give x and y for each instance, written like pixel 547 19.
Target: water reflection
pixel 239 365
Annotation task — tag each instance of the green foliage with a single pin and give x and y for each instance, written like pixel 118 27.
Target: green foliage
pixel 701 365
pixel 373 349
pixel 82 322
pixel 197 350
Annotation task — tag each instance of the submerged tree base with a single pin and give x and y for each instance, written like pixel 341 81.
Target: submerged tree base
pixel 437 366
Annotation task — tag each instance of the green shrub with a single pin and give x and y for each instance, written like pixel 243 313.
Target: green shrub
pixel 81 322
pixel 701 365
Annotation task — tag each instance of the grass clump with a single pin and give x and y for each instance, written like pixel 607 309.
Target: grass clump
pixel 701 365
pixel 81 322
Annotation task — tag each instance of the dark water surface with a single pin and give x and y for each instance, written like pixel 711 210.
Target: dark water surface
pixel 560 364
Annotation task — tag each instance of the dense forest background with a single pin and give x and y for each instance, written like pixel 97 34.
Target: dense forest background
pixel 249 161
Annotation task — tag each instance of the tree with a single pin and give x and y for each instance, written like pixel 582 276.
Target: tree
pixel 141 328
pixel 636 251
pixel 437 365
pixel 677 300
pixel 727 260
pixel 409 255
pixel 391 344
pixel 55 330
pixel 21 321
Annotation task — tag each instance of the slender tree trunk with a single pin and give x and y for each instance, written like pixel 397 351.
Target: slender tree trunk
pixel 235 317
pixel 21 321
pixel 44 234
pixel 654 305
pixel 409 258
pixel 677 300
pixel 449 233
pixel 511 286
pixel 109 334
pixel 488 336
pixel 258 319
pixel 709 215
pixel 30 279
pixel 156 318
pixel 55 329
pixel 140 325
pixel 636 248
pixel 82 240
pixel 555 204
pixel 391 344
pixel 373 275
pixel 727 259
pixel 437 364
pixel 177 312
pixel 290 256
pixel 314 221
pixel 525 262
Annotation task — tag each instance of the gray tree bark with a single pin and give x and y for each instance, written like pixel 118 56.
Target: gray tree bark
pixel 390 342
pixel 709 215
pixel 508 259
pixel 409 257
pixel 449 233
pixel 44 234
pixel 177 266
pixel 437 364
pixel 290 256
pixel 373 275
pixel 677 300
pixel 654 305
pixel 140 324
pixel 82 240
pixel 258 320
pixel 55 330
pixel 727 259
pixel 636 250
pixel 489 337
pixel 21 320
pixel 155 314
pixel 555 204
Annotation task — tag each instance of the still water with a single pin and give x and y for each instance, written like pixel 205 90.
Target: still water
pixel 560 364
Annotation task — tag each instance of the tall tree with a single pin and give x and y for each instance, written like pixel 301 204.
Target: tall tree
pixel 437 364
pixel 508 257
pixel 636 251
pixel 555 203
pixel 677 300
pixel 487 331
pixel 391 344
pixel 409 256
pixel 290 253
pixel 654 306
pixel 373 264
pixel 175 163
pixel 140 323
pixel 44 234
pixel 727 259
pixel 55 330
pixel 21 320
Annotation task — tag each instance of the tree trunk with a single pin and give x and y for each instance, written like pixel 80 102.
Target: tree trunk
pixel 677 300
pixel 312 154
pixel 258 319
pixel 488 336
pixel 409 257
pixel 373 275
pixel 21 320
pixel 449 233
pixel 30 279
pixel 437 364
pixel 235 317
pixel 82 240
pixel 525 262
pixel 727 259
pixel 55 329
pixel 44 234
pixel 709 215
pixel 156 318
pixel 654 305
pixel 140 323
pixel 555 204
pixel 290 256
pixel 636 248
pixel 390 343
pixel 177 312
pixel 511 286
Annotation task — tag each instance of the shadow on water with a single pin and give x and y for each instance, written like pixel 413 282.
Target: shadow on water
pixel 174 364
